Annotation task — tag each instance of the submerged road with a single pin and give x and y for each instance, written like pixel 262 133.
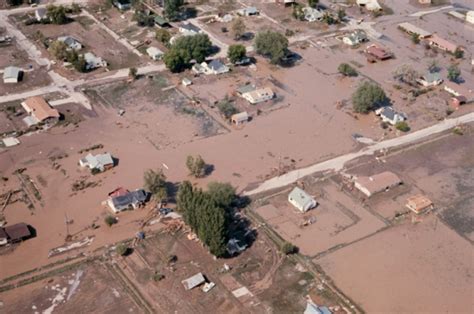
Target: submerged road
pixel 338 163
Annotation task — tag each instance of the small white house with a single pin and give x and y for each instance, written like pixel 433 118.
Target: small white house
pixel 259 95
pixel 371 5
pixel 355 38
pixel 186 82
pixel 93 62
pixel 11 74
pixel 388 114
pixel 301 200
pixel 213 67
pixel 189 29
pixel 101 162
pixel 240 118
pixel 154 53
pixel 470 17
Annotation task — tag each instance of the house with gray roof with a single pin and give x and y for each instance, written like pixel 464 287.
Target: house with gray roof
pixel 430 79
pixel 213 67
pixel 301 200
pixel 12 74
pixel 129 200
pixel 100 162
pixel 71 42
pixel 388 114
pixel 93 62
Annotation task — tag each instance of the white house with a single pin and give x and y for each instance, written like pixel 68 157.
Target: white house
pixel 189 29
pixel 388 114
pixel 154 53
pixel 371 5
pixel 430 79
pixel 470 17
pixel 93 62
pixel 40 14
pixel 312 14
pixel 11 74
pixel 248 11
pixel 101 162
pixel 240 118
pixel 301 200
pixel 213 67
pixel 259 95
pixel 355 38
pixel 71 42
pixel 123 4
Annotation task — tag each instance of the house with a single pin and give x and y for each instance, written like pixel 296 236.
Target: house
pixel 301 200
pixel 388 114
pixel 371 5
pixel 376 183
pixel 245 89
pixel 430 79
pixel 39 110
pixel 458 90
pixel 189 29
pixel 161 21
pixel 312 14
pixel 154 53
pixel 412 29
pixel 457 15
pixel 213 67
pixel 355 38
pixel 418 203
pixel 93 62
pixel 240 118
pixel 12 74
pixel 286 2
pixel 259 95
pixel 130 200
pixel 123 5
pixel 424 1
pixel 10 141
pixel 442 44
pixel 248 11
pixel 71 42
pixel 100 162
pixel 194 281
pixel 470 17
pixel 40 14
pixel 186 82
pixel 18 232
pixel 312 308
pixel 378 52
pixel 118 192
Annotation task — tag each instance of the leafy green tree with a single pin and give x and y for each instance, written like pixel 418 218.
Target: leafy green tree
pixel 238 28
pixel 110 220
pixel 121 249
pixel 454 73
pixel 346 70
pixel 196 166
pixel 75 8
pixel 271 44
pixel 59 50
pixel 197 46
pixel 163 36
pixel 78 61
pixel 402 126
pixel 172 9
pixel 313 3
pixel 143 19
pixel 57 14
pixel 226 108
pixel 13 3
pixel 212 228
pixel 235 53
pixel 329 19
pixel 367 96
pixel 341 14
pixel 133 73
pixel 287 248
pixel 459 53
pixel 176 60
pixel 298 12
pixel 155 182
pixel 223 194
pixel 415 38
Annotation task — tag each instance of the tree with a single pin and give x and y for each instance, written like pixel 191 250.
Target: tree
pixel 415 38
pixel 75 8
pixel 212 228
pixel 454 73
pixel 155 182
pixel 329 19
pixel 313 3
pixel 402 126
pixel 143 19
pixel 298 12
pixel 226 108
pixel 367 97
pixel 196 166
pixel 172 9
pixel 14 3
pixel 198 47
pixel 57 14
pixel 59 50
pixel 236 53
pixel 406 74
pixel 79 63
pixel 110 220
pixel 223 194
pixel 133 73
pixel 459 53
pixel 433 66
pixel 271 44
pixel 121 249
pixel 346 70
pixel 287 248
pixel 238 28
pixel 341 14
pixel 176 60
pixel 163 36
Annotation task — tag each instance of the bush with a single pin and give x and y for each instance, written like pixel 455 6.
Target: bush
pixel 415 38
pixel 458 131
pixel 402 126
pixel 110 220
pixel 158 276
pixel 235 53
pixel 133 73
pixel 121 249
pixel 346 70
pixel 238 28
pixel 57 14
pixel 227 108
pixel 367 97
pixel 155 182
pixel 143 19
pixel 454 73
pixel 287 248
pixel 196 166
pixel 459 53
pixel 163 36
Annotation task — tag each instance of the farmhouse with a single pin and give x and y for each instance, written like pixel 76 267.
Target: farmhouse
pixel 412 29
pixel 259 95
pixel 240 118
pixel 70 42
pixel 301 200
pixel 213 67
pixel 388 114
pixel 12 74
pixel 376 183
pixel 17 232
pixel 93 62
pixel 430 79
pixel 355 38
pixel 154 53
pixel 378 52
pixel 130 200
pixel 100 162
pixel 39 110
pixel 442 44
pixel 418 203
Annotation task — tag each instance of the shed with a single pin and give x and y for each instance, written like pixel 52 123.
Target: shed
pixel 154 53
pixel 240 118
pixel 194 281
pixel 376 183
pixel 378 52
pixel 301 200
pixel 11 74
pixel 186 82
pixel 10 141
pixel 470 17
pixel 92 61
pixel 17 232
pixel 71 42
pixel 418 203
pixel 161 21
pixel 412 29
pixel 101 162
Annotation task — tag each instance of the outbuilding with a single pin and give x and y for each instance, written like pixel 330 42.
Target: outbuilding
pixel 301 200
pixel 240 118
pixel 419 203
pixel 99 162
pixel 12 74
pixel 377 183
pixel 194 281
pixel 259 95
pixel 154 53
pixel 17 232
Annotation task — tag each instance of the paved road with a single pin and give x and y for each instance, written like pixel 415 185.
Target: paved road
pixel 338 163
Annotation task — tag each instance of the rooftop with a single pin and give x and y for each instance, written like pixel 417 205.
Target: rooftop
pixel 39 108
pixel 194 281
pixel 378 182
pixel 17 231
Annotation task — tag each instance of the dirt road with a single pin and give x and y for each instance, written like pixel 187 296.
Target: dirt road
pixel 339 162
